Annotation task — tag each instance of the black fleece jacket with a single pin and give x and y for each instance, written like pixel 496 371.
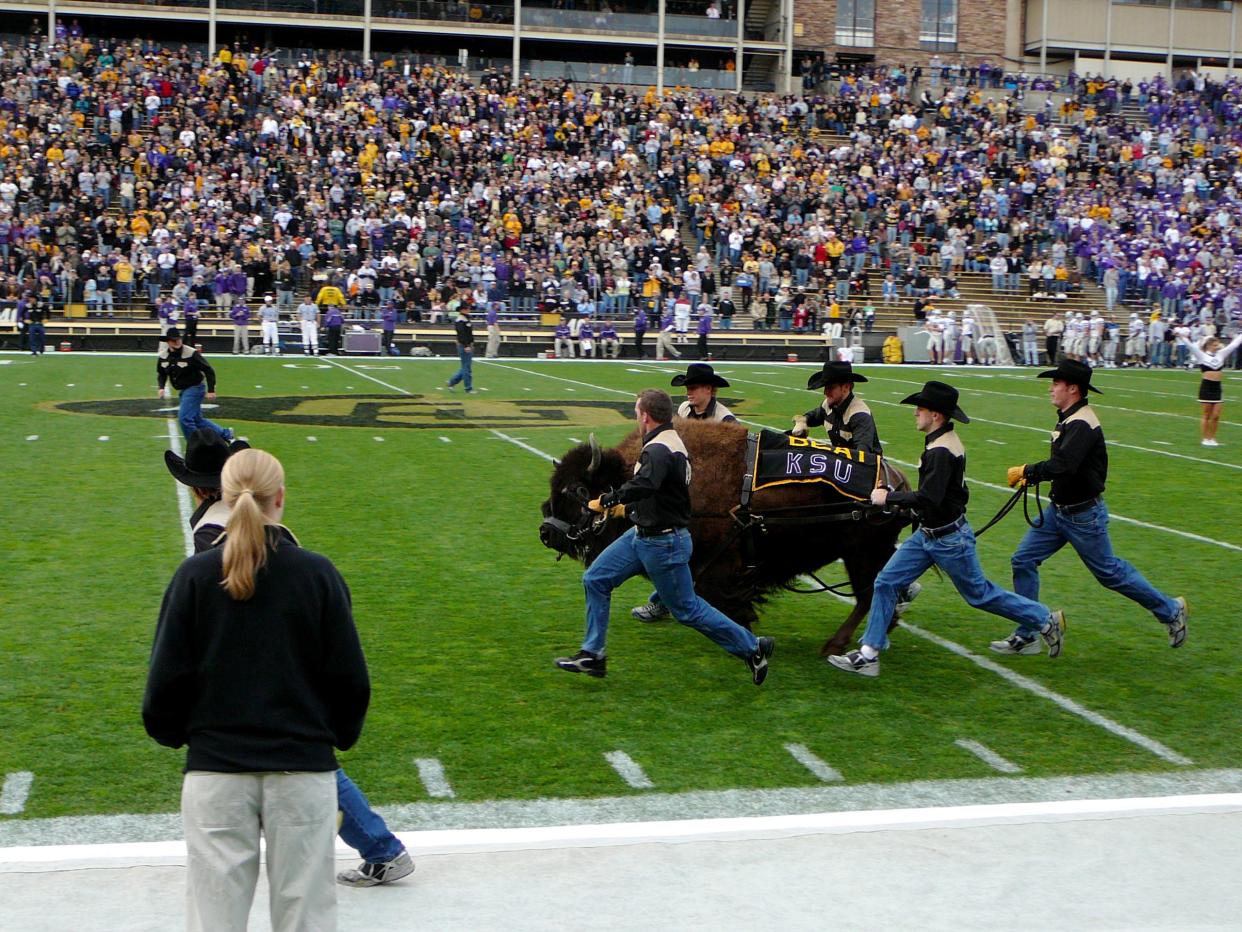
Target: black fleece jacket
pixel 269 684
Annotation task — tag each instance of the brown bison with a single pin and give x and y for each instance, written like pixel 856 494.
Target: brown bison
pixel 740 555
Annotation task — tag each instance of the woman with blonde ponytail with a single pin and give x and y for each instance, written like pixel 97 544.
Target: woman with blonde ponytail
pixel 257 668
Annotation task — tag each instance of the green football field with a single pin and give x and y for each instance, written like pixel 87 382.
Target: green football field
pixel 428 502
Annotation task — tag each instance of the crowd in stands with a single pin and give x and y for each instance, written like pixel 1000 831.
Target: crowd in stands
pixel 130 171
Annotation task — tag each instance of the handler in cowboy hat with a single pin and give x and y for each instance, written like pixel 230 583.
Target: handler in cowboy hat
pixel 205 455
pixel 846 417
pixel 944 539
pixel 701 383
pixel 1077 515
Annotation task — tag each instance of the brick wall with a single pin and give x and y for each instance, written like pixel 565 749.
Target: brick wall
pixel 980 29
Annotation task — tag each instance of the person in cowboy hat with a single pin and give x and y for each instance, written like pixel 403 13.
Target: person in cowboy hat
pixel 701 383
pixel 385 858
pixel 186 368
pixel 944 539
pixel 844 415
pixel 205 454
pixel 1077 515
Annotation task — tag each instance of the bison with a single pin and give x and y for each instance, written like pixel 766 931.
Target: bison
pixel 734 566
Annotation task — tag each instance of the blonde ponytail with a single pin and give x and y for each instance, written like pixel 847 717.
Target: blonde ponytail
pixel 250 482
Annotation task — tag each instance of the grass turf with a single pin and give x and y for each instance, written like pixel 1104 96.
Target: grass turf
pixel 461 610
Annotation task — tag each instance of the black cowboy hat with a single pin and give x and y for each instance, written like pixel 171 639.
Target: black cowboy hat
pixel 700 373
pixel 172 334
pixel 1074 372
pixel 937 396
pixel 205 454
pixel 834 372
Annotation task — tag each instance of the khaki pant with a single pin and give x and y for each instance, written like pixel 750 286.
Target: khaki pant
pixel 612 348
pixel 493 341
pixel 566 349
pixel 665 347
pixel 241 338
pixel 224 814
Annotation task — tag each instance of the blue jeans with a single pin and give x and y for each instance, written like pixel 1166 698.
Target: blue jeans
pixel 36 338
pixel 361 827
pixel 955 555
pixel 190 413
pixel 666 560
pixel 1087 533
pixel 464 374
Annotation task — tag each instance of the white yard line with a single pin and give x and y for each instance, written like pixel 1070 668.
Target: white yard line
pixel 1069 705
pixel 629 770
pixel 431 773
pixel 15 792
pixel 804 756
pixel 183 493
pixel 988 756
pixel 525 446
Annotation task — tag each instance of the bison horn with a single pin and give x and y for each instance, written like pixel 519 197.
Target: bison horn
pixel 597 456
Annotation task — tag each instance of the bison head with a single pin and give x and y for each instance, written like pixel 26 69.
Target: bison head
pixel 569 527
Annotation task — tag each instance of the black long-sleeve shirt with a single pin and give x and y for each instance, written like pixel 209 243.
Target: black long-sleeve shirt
pixel 1078 466
pixel 942 494
pixel 465 332
pixel 850 424
pixel 268 684
pixel 185 367
pixel 659 492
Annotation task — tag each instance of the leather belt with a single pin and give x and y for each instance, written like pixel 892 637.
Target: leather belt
pixel 654 532
pixel 1079 507
pixel 944 531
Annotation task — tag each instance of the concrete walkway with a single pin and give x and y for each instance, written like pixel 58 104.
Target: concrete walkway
pixel 1168 863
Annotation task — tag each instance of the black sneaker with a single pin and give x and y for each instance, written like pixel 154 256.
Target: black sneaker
pixel 584 662
pixel 1177 627
pixel 757 662
pixel 1054 633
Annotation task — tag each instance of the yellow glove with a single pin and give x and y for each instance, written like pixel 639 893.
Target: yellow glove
pixel 616 511
pixel 1016 477
pixel 799 428
pixel 596 505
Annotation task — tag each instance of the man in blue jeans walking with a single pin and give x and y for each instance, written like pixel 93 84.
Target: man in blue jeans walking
pixel 657 501
pixel 465 351
pixel 186 368
pixel 1078 516
pixel 944 540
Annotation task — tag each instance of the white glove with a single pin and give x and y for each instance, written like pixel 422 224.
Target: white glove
pixel 799 428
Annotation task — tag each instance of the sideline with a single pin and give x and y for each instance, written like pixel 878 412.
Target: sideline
pixel 445 827
pixel 183 494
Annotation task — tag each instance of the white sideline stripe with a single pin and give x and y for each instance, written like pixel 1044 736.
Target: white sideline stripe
pixel 629 770
pixel 477 840
pixel 1069 705
pixel 988 756
pixel 803 755
pixel 431 772
pixel 183 493
pixel 16 790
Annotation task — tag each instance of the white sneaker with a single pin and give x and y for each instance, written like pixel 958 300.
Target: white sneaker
pixel 369 874
pixel 1017 644
pixel 1210 443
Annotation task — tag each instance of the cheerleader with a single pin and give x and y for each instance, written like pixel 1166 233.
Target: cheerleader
pixel 1211 359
